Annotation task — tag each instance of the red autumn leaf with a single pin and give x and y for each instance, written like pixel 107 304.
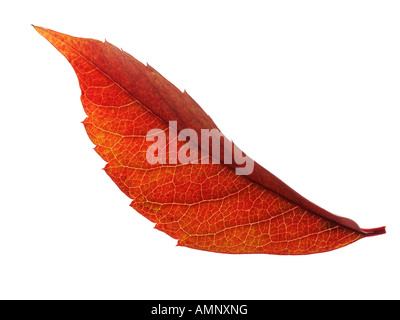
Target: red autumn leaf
pixel 204 206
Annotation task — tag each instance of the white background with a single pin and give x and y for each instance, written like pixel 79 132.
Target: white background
pixel 309 89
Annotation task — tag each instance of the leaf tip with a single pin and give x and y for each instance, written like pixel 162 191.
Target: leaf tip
pixel 38 29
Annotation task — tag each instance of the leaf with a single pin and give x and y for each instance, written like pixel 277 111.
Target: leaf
pixel 204 206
